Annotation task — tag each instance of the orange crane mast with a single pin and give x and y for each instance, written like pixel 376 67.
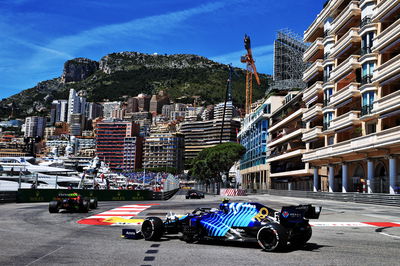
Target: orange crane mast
pixel 251 69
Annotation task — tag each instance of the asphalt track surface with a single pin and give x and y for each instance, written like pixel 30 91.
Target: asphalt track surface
pixel 30 235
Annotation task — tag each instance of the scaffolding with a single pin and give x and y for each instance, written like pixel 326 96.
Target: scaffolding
pixel 288 61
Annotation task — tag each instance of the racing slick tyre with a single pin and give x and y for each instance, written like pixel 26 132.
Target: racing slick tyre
pixel 84 206
pixel 93 203
pixel 152 228
pixel 53 206
pixel 187 197
pixel 300 234
pixel 272 237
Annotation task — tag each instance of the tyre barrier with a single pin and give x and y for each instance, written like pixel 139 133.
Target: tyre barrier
pixel 232 192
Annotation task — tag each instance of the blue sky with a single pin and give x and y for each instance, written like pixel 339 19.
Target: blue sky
pixel 38 36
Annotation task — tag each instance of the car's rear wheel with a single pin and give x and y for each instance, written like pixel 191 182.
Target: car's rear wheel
pixel 152 228
pixel 93 203
pixel 300 234
pixel 53 206
pixel 272 237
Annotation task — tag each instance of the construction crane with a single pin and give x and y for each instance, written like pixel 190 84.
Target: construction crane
pixel 251 69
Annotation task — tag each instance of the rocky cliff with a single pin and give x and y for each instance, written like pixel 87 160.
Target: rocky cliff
pixel 116 75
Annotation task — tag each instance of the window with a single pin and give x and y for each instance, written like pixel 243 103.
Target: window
pixel 370 128
pixel 367 102
pixel 327 72
pixel 288 98
pixel 327 119
pixel 267 109
pixel 327 95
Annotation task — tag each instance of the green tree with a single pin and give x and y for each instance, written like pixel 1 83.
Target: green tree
pixel 212 163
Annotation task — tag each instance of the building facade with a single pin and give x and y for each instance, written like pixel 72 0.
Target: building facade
pixel 34 126
pixel 118 145
pixel 164 149
pixel 352 97
pixel 254 136
pixel 204 134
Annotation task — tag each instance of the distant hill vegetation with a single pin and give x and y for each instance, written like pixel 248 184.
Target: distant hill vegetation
pixel 116 75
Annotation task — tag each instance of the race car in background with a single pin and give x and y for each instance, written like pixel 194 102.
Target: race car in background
pixel 72 202
pixel 242 221
pixel 194 194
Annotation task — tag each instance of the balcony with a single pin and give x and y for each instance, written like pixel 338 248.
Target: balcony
pixel 387 70
pixel 388 37
pixel 367 79
pixel 367 109
pixel 312 112
pixel 313 133
pixel 346 66
pixel 318 24
pixel 366 21
pixel 313 51
pixel 384 139
pixel 345 120
pixel 347 92
pixel 388 103
pixel 285 137
pixel 313 70
pixel 351 37
pixel 383 9
pixel 286 155
pixel 287 119
pixel 312 91
pixel 346 16
pixel 301 172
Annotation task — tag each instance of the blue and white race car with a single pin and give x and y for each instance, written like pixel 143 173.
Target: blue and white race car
pixel 242 221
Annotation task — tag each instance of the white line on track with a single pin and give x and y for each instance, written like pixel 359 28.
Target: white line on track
pixel 43 256
pixel 389 235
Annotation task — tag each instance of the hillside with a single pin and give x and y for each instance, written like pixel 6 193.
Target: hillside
pixel 130 73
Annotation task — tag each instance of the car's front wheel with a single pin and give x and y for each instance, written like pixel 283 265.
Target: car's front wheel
pixel 152 228
pixel 272 237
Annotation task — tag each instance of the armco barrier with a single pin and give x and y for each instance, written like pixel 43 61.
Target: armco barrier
pixel 8 196
pixel 379 199
pixel 46 195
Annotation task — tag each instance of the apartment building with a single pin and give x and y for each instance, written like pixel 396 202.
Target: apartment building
pixel 352 99
pixel 254 136
pixel 164 149
pixel 34 126
pixel 285 146
pixel 204 134
pixel 118 144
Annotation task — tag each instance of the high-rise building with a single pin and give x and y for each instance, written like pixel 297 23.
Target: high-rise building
pixel 230 111
pixel 34 126
pixel 93 110
pixel 59 111
pixel 118 144
pixel 76 103
pixel 77 124
pixel 164 149
pixel 204 134
pixel 133 105
pixel 143 102
pixel 353 101
pixel 157 102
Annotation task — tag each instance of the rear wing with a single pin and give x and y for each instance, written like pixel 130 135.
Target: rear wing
pixel 300 211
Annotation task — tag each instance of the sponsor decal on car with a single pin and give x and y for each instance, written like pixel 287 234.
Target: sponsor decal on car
pixel 285 214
